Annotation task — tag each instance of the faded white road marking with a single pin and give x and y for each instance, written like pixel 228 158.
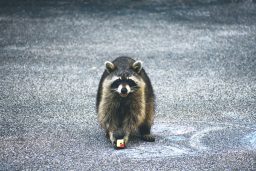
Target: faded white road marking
pixel 250 140
pixel 196 139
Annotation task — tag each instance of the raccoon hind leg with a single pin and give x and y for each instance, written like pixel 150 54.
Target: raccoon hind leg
pixel 144 130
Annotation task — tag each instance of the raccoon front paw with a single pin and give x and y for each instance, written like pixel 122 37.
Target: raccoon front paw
pixel 119 136
pixel 113 141
pixel 126 138
pixel 112 138
pixel 148 138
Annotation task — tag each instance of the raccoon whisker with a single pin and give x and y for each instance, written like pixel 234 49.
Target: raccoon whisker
pixel 114 89
pixel 135 87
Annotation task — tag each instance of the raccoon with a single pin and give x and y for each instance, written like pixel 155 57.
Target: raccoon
pixel 125 100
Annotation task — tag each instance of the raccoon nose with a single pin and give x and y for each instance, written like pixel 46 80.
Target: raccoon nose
pixel 124 90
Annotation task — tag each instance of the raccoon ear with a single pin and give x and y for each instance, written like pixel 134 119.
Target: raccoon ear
pixel 137 66
pixel 109 66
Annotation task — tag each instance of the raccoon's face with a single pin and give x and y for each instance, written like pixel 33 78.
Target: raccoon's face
pixel 124 86
pixel 124 78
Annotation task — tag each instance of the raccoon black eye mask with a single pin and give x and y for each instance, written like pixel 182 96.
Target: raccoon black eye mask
pixel 116 83
pixel 124 87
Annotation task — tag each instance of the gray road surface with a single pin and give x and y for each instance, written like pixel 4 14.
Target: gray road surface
pixel 200 56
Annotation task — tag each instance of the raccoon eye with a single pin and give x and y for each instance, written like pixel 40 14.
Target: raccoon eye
pixel 116 83
pixel 132 83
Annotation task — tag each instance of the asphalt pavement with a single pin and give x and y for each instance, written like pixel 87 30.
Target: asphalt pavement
pixel 200 57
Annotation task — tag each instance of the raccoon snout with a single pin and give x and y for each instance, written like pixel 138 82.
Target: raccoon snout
pixel 124 90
